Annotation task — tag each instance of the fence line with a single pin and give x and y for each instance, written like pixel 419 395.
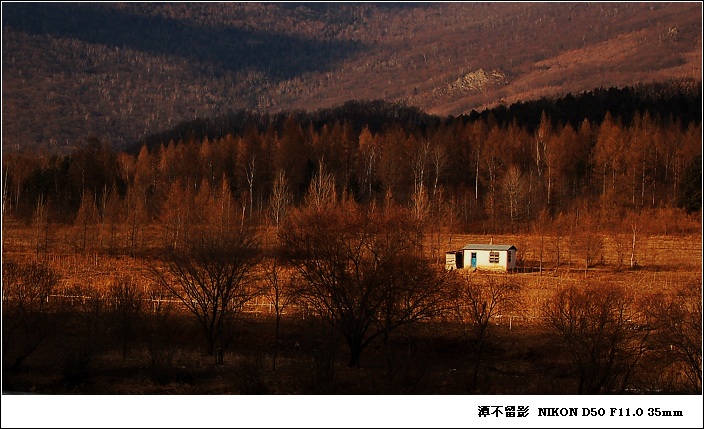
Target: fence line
pixel 257 308
pixel 248 307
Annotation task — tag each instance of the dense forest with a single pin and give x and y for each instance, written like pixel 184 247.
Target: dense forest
pixel 607 152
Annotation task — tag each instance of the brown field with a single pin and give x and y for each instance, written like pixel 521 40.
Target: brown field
pixel 520 357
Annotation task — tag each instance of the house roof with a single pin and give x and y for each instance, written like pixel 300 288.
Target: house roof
pixel 489 247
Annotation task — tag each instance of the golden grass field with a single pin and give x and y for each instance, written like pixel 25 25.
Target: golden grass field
pixel 664 262
pixel 518 359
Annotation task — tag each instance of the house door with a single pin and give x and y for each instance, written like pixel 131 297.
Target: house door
pixel 474 259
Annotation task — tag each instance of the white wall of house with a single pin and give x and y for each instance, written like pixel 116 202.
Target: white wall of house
pixel 483 257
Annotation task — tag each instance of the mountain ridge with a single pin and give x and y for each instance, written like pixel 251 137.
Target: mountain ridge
pixel 127 70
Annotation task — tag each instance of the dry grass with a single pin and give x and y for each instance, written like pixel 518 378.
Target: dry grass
pixel 663 261
pixel 521 356
pixel 654 253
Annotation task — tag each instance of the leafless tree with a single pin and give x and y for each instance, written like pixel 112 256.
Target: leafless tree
pixel 362 271
pixel 420 203
pixel 279 293
pixel 438 156
pixel 213 278
pixel 27 316
pixel 176 215
pixel 321 192
pixel 560 225
pixel 161 328
pixel 86 217
pixel 280 200
pixel 419 164
pixel 368 148
pixel 590 241
pixel 541 225
pixel 677 323
pixel 637 228
pixel 250 172
pixel 479 298
pixel 84 331
pixel 592 321
pixel 126 299
pixel 41 225
pixel 5 195
pixel 514 192
pixel 112 218
pixel 135 219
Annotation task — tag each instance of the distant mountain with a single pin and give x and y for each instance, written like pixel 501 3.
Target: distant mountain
pixel 123 71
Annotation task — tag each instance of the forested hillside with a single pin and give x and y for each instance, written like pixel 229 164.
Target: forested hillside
pixel 608 152
pixel 122 71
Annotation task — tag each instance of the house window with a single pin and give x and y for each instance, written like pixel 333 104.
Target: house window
pixel 509 256
pixel 493 257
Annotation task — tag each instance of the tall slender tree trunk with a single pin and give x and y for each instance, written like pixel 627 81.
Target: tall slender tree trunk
pixel 549 185
pixel 542 241
pixel 476 183
pixel 276 338
pixel 633 246
pixel 4 191
pixel 355 345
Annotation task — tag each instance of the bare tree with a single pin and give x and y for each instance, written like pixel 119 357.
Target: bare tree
pixel 590 241
pixel 86 217
pixel 112 216
pixel 439 158
pixel 368 148
pixel 213 278
pixel 126 305
pixel 250 173
pixel 514 192
pixel 5 195
pixel 419 161
pixel 176 215
pixel 135 219
pixel 592 321
pixel 637 228
pixel 677 323
pixel 420 204
pixel 41 225
pixel 414 292
pixel 161 328
pixel 280 200
pixel 541 225
pixel 321 192
pixel 479 299
pixel 279 293
pixel 559 224
pixel 362 271
pixel 27 316
pixel 85 330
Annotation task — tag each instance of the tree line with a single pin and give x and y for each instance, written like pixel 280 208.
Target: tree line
pixel 489 172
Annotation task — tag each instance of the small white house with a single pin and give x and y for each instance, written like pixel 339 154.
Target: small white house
pixel 499 257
